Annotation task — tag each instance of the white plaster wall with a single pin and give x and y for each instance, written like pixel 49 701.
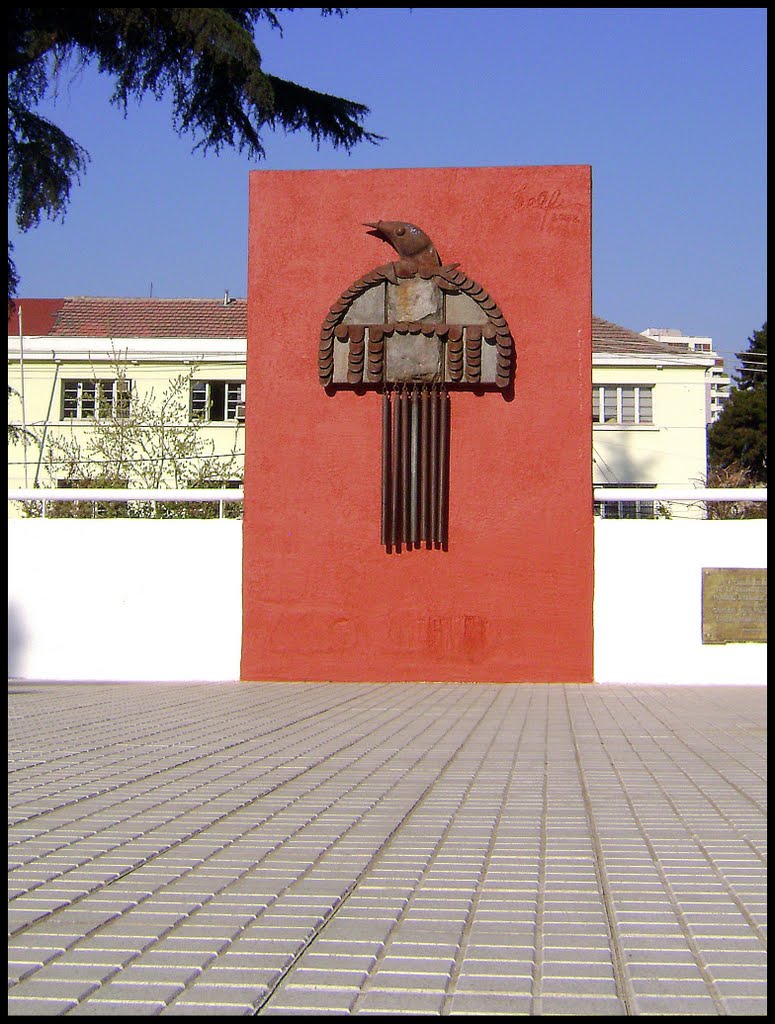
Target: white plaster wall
pixel 648 600
pixel 123 599
pixel 152 600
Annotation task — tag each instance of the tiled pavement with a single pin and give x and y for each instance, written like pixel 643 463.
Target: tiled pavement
pixel 243 849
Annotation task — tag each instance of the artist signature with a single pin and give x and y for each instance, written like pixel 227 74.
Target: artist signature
pixel 543 200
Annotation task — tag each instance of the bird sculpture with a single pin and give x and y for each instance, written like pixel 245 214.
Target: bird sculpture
pixel 400 341
pixel 417 252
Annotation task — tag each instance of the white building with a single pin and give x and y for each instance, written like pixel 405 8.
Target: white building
pixel 651 407
pixel 719 381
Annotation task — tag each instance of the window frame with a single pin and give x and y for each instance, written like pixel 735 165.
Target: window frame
pixel 608 400
pixel 229 401
pixel 92 390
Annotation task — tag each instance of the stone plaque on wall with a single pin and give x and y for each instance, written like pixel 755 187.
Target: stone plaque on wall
pixel 734 606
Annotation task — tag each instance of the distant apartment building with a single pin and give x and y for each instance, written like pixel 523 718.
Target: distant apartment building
pixel 73 361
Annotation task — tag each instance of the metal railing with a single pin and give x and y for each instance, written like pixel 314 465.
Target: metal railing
pixel 119 494
pixel 222 495
pixel 680 493
pixel 635 502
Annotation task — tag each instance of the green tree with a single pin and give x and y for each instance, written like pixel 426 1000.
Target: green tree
pixel 737 441
pixel 204 57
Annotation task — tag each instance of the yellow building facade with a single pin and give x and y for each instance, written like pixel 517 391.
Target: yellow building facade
pixel 161 381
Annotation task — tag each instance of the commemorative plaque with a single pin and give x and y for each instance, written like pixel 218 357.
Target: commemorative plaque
pixel 734 606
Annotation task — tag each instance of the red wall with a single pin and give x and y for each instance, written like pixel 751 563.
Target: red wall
pixel 511 600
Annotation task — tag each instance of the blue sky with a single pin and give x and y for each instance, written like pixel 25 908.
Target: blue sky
pixel 666 104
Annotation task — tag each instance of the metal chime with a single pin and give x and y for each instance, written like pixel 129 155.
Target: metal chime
pixel 412 329
pixel 415 466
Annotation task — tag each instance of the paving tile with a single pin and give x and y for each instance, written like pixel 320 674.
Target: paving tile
pixel 137 991
pixel 325 976
pixel 751 986
pixel 392 1002
pixel 577 985
pixel 746 1006
pixel 482 1004
pixel 582 1005
pixel 22 1006
pixel 63 988
pixel 107 1008
pixel 204 992
pixel 18 970
pixel 220 973
pixel 189 1009
pixel 675 1004
pixel 313 998
pixel 513 984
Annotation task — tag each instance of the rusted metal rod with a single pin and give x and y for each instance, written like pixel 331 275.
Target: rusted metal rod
pixel 406 423
pixel 386 501
pixel 395 507
pixel 434 470
pixel 425 466
pixel 415 469
pixel 442 533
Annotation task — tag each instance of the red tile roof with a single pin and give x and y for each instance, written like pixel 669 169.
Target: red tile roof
pixel 84 317
pixel 609 337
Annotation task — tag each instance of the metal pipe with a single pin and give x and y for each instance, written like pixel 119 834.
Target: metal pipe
pixel 414 470
pixel 22 396
pixel 425 477
pixel 386 468
pixel 444 476
pixel 42 447
pixel 395 508
pixel 434 471
pixel 406 423
pixel 442 534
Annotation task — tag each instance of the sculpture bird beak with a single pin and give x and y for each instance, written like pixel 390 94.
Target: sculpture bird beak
pixel 375 229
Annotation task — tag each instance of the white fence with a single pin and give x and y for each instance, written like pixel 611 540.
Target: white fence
pixel 145 599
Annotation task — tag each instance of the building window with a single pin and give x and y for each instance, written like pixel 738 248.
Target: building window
pixel 217 401
pixel 625 509
pixel 622 403
pixel 95 399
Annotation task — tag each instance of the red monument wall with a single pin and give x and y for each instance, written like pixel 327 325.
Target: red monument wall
pixel 511 598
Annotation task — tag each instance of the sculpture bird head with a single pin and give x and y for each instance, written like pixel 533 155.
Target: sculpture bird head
pixel 410 242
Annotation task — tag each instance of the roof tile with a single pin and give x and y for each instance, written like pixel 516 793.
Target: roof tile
pixel 610 337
